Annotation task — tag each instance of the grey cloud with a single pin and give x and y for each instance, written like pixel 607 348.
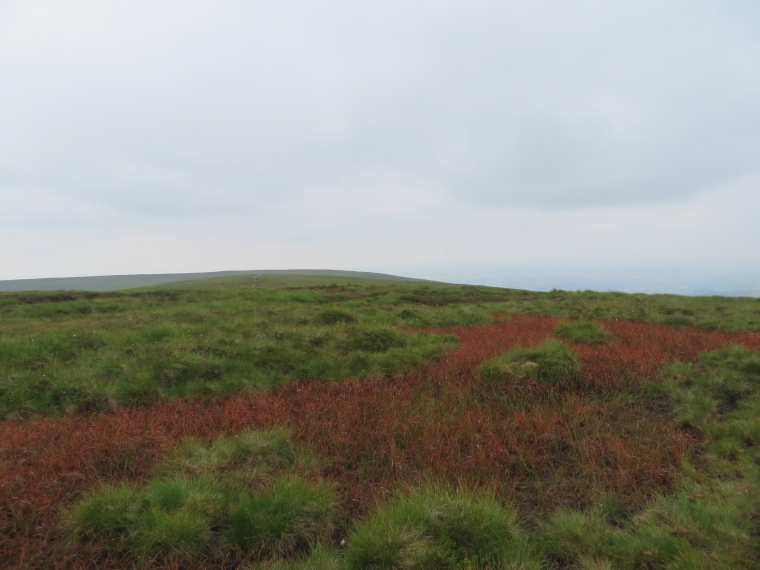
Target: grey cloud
pixel 547 104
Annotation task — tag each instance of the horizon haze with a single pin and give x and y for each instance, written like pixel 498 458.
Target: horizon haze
pixel 586 143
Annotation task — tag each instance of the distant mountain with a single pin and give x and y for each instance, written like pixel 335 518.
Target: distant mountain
pixel 117 282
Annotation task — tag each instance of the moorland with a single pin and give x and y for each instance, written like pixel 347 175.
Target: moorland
pixel 308 422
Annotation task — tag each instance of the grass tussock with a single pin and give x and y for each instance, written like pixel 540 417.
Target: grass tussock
pixel 289 518
pixel 553 363
pixel 203 505
pixel 161 345
pixel 434 528
pixel 587 332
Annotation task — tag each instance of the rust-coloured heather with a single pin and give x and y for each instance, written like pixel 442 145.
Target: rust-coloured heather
pixel 545 449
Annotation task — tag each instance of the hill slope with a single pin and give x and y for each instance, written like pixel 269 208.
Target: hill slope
pixel 118 282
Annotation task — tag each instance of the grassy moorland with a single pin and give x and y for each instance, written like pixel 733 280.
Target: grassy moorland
pixel 312 422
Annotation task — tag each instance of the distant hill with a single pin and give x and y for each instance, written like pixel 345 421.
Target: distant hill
pixel 117 282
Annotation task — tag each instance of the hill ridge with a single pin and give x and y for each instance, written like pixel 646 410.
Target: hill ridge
pixel 118 282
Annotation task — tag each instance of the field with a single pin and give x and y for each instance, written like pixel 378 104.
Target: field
pixel 319 422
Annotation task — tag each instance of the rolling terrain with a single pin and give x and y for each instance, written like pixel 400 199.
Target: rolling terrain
pixel 333 421
pixel 118 282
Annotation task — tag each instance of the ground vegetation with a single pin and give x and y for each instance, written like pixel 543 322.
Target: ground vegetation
pixel 485 428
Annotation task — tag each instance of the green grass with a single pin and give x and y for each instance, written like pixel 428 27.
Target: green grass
pixel 270 449
pixel 435 528
pixel 553 362
pixel 106 516
pixel 181 533
pixel 289 518
pixel 710 520
pixel 84 352
pixel 587 332
pixel 568 537
pixel 247 493
pixel 98 351
pixel 255 497
pixel 320 558
pixel 239 493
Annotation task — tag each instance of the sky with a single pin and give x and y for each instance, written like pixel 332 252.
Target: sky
pixel 588 144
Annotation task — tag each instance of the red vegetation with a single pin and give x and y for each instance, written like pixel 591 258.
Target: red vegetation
pixel 541 447
pixel 641 349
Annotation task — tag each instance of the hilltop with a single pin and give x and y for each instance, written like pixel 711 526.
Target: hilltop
pixel 120 282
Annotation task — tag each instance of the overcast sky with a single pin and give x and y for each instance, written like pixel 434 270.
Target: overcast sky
pixel 426 136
